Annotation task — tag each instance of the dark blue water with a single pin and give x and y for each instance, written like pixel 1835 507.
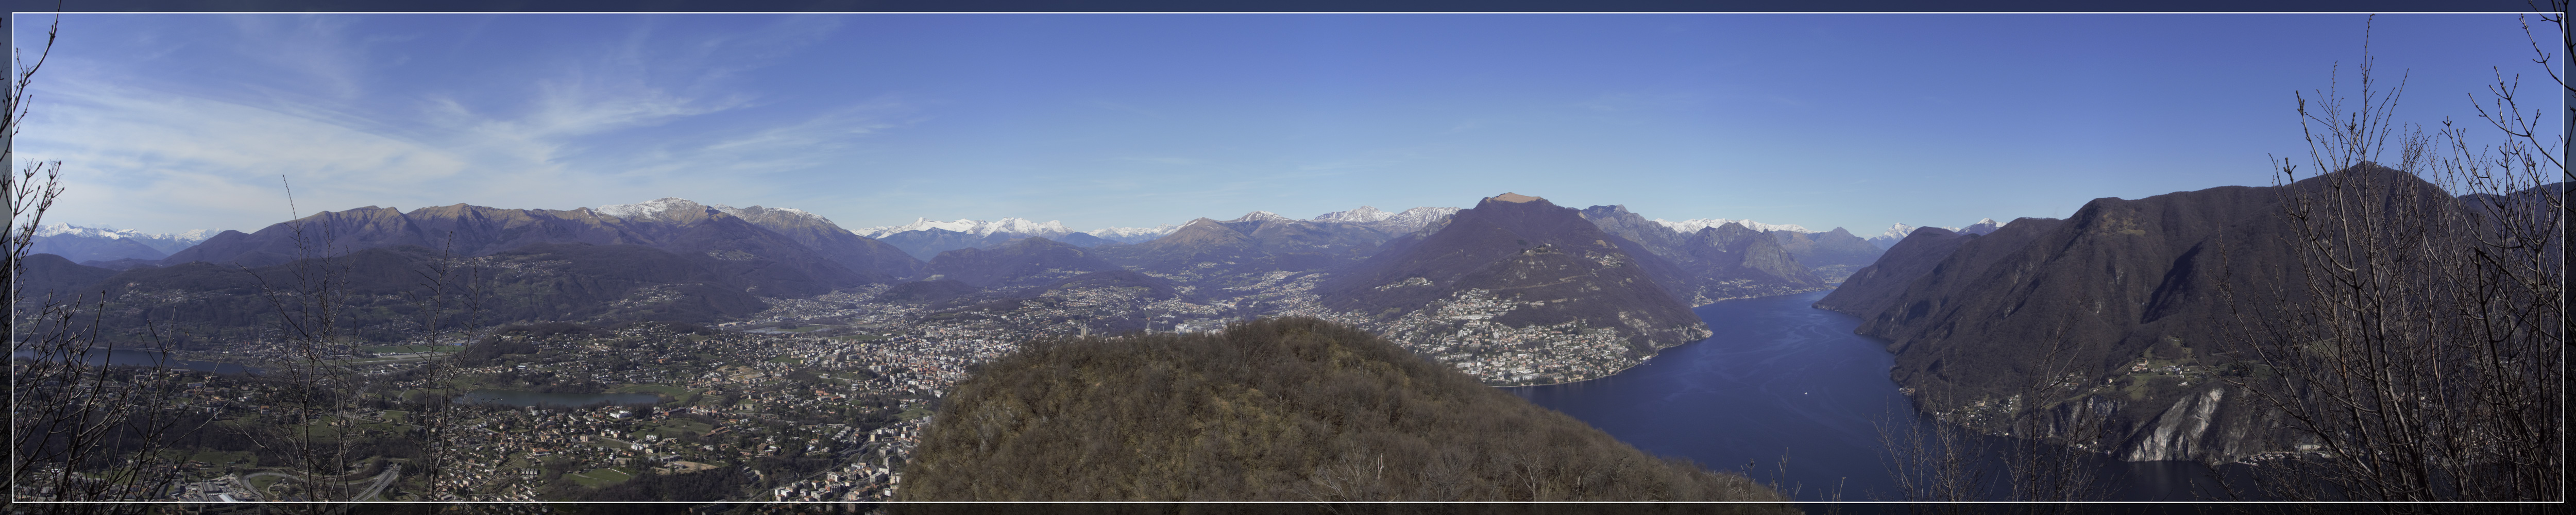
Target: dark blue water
pixel 556 400
pixel 1781 378
pixel 147 358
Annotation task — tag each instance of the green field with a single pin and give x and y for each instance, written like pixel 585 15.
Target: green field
pixel 600 477
pixel 787 359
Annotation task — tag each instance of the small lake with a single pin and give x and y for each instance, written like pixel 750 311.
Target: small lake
pixel 1781 377
pixel 556 400
pixel 149 358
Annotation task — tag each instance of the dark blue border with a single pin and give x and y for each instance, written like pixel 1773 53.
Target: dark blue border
pixel 1275 6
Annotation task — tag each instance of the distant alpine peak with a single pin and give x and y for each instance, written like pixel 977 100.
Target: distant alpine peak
pixel 662 207
pixel 1262 216
pixel 59 229
pixel 975 227
pixel 1129 232
pixel 650 208
pixel 1695 224
pixel 1981 227
pixel 1364 214
pixel 1513 198
pixel 1898 231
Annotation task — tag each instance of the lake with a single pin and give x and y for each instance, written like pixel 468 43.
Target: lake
pixel 557 400
pixel 1781 377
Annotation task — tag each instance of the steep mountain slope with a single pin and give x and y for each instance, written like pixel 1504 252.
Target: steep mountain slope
pixel 1292 409
pixel 1515 264
pixel 860 254
pixel 52 278
pixel 1869 290
pixel 2124 293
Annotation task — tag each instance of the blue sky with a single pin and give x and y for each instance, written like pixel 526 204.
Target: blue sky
pixel 185 121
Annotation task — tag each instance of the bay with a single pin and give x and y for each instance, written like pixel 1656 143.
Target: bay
pixel 1779 380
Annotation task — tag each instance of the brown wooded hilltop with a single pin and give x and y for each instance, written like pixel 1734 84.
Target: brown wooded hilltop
pixel 1286 409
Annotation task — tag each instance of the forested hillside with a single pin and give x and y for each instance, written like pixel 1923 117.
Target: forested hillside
pixel 1290 409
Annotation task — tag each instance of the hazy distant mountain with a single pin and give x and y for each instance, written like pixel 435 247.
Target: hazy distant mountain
pixel 1829 248
pixel 52 278
pixel 1207 255
pixel 79 243
pixel 1393 224
pixel 91 248
pixel 790 266
pixel 1710 263
pixel 1132 234
pixel 925 238
pixel 1898 232
pixel 859 253
pixel 1517 262
pixel 1694 225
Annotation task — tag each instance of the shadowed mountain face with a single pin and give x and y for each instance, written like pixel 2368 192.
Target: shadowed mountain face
pixel 1715 263
pixel 1872 288
pixel 803 249
pixel 83 248
pixel 52 278
pixel 1211 256
pixel 1027 262
pixel 2126 294
pixel 1292 409
pixel 1526 262
pixel 545 281
pixel 1830 248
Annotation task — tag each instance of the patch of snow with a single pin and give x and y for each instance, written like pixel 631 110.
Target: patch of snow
pixel 191 236
pixel 1364 214
pixel 1264 216
pixel 1694 225
pixel 1022 226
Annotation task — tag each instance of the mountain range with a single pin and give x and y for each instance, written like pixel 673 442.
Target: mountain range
pixel 88 244
pixel 1590 291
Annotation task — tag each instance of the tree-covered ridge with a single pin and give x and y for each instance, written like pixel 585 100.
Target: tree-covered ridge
pixel 1286 409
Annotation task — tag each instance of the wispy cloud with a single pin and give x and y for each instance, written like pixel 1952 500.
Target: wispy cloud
pixel 631 119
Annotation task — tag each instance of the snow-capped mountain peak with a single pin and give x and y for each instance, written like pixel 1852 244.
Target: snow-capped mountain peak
pixel 1898 231
pixel 1264 216
pixel 1695 224
pixel 650 208
pixel 1134 234
pixel 60 229
pixel 1364 214
pixel 1982 226
pixel 1050 228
